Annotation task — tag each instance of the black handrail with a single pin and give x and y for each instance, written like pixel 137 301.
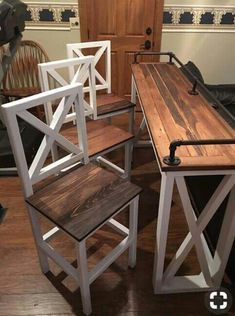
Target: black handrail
pixel 141 53
pixel 173 160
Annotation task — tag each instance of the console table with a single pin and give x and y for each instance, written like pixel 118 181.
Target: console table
pixel 181 119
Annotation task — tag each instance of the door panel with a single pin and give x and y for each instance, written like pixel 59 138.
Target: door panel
pixel 105 20
pixel 138 15
pixel 124 22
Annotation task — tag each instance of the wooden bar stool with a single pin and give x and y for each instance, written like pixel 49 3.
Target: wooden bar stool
pixel 102 137
pixel 108 104
pixel 75 195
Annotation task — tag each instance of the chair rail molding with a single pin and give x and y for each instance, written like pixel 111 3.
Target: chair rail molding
pixel 50 15
pixel 198 18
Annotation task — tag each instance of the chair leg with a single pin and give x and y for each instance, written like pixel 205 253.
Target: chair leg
pixel 84 277
pixel 133 225
pixel 43 259
pixel 127 162
pixel 131 120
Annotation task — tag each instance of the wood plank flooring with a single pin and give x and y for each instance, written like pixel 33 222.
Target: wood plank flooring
pixel 120 291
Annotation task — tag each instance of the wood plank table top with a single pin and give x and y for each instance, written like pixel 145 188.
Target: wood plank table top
pixel 172 113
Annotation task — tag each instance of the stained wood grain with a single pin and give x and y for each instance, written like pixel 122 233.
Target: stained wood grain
pixel 101 136
pixel 35 304
pixel 109 103
pixel 172 113
pixel 83 199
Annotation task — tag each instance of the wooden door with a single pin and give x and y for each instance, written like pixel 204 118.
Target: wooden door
pixel 128 24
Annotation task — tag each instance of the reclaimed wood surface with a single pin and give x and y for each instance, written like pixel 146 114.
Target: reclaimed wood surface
pixel 101 136
pixel 83 199
pixel 172 113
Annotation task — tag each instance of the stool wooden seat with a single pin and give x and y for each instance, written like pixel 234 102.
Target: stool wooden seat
pixel 88 197
pixel 101 136
pixel 111 103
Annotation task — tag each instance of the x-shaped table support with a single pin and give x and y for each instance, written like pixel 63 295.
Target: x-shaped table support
pixel 212 267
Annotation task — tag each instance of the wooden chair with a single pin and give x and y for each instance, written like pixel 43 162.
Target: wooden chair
pixel 102 137
pixel 22 79
pixel 80 200
pixel 108 104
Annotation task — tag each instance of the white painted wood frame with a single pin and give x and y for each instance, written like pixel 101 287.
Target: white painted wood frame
pixel 78 70
pixel 103 48
pixel 212 266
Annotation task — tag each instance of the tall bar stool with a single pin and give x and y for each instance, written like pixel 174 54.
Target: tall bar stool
pixel 102 137
pixel 75 195
pixel 108 104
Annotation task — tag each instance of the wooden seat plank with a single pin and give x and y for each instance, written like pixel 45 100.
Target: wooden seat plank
pixel 82 200
pixel 101 136
pixel 109 103
pixel 163 94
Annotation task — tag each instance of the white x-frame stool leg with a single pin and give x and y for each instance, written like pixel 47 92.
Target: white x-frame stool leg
pixel 212 266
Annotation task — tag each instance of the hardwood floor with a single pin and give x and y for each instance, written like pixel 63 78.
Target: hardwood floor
pixel 119 291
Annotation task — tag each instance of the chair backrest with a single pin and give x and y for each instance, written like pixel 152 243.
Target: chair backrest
pixel 59 73
pixel 21 78
pixel 42 166
pixel 98 49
